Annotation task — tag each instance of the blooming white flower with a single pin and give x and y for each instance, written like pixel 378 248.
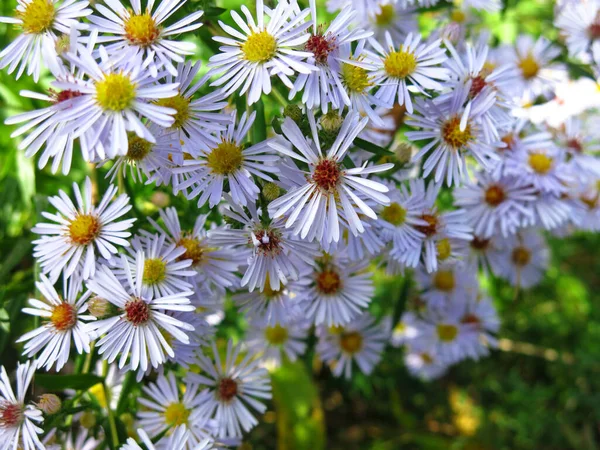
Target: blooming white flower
pixel 580 23
pixel 64 323
pixel 339 291
pixel 40 21
pixel 361 341
pixel 169 406
pixel 410 62
pixel 234 388
pixel 274 344
pixel 329 186
pixel 110 100
pixel 18 420
pixel 68 244
pixel 324 86
pixel 262 50
pixel 272 254
pixel 228 160
pixel 423 365
pixel 215 267
pixel 179 440
pixel 392 17
pixel 494 203
pixel 137 329
pixel 449 283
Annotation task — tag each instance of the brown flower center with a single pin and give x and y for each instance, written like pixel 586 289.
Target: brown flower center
pixel 328 282
pixel 137 311
pixel 327 174
pixel 494 195
pixel 227 390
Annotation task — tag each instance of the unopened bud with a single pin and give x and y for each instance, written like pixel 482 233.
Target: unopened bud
pixel 63 44
pixel 403 152
pixel 87 419
pixel 271 191
pixel 100 307
pixel 160 199
pixel 332 121
pixel 293 112
pixel 49 403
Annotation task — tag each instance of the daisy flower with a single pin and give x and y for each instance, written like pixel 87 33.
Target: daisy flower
pixel 440 228
pixel 494 203
pixel 586 213
pixel 40 21
pixel 449 283
pixel 64 324
pixel 453 131
pixel 411 66
pixel 523 258
pixel 392 17
pixel 164 270
pixel 234 389
pixel 251 57
pixel 139 31
pixel 339 291
pixel 580 24
pixel 480 314
pixel 228 161
pixel 491 6
pixel 275 307
pixel 271 253
pixel 68 244
pixel 321 87
pixel 215 267
pixel 169 406
pixel 424 365
pixel 481 252
pixel 18 420
pixel 112 101
pixel 582 144
pixel 329 186
pixel 361 341
pixel 138 329
pixel 274 343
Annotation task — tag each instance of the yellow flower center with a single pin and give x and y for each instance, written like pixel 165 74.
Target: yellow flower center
pixel 225 159
pixel 394 214
pixel 155 271
pixel 137 148
pixel 260 47
pixel 176 414
pixel 447 333
pixel 426 358
pixel 115 92
pixel 385 16
pixel 194 250
pixel 400 64
pixel 141 30
pixel 540 163
pixel 276 335
pixel 494 195
pixel 328 282
pixel 351 342
pixel 180 104
pixel 457 16
pixel 83 229
pixel 38 16
pixel 453 135
pixel 521 256
pixel 529 67
pixel 355 78
pixel 444 249
pixel 64 317
pixel 443 280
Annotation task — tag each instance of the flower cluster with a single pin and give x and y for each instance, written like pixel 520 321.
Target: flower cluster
pixel 388 151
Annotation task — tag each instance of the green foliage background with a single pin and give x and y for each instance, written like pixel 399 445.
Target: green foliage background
pixel 541 390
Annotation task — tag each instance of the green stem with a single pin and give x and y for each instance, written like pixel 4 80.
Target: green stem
pixel 111 419
pixel 279 96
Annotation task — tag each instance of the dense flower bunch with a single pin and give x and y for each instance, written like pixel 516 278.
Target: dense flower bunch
pixel 431 157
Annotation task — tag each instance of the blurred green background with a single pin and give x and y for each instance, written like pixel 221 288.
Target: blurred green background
pixel 540 390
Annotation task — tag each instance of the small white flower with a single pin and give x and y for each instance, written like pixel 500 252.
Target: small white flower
pixel 273 344
pixel 262 50
pixel 580 23
pixel 68 244
pixel 411 66
pixel 18 420
pixel 234 389
pixel 423 365
pixel 179 440
pixel 40 21
pixel 64 324
pixel 140 32
pixel 361 341
pixel 329 187
pixel 228 160
pixel 136 331
pixel 448 284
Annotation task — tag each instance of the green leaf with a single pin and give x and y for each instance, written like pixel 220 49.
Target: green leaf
pixel 259 129
pixel 300 424
pixel 370 147
pixel 60 382
pixel 213 11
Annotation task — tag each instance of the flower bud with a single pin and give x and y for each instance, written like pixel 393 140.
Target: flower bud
pixel 332 122
pixel 403 152
pixel 160 199
pixel 271 191
pixel 293 112
pixel 87 419
pixel 49 403
pixel 100 307
pixel 63 44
